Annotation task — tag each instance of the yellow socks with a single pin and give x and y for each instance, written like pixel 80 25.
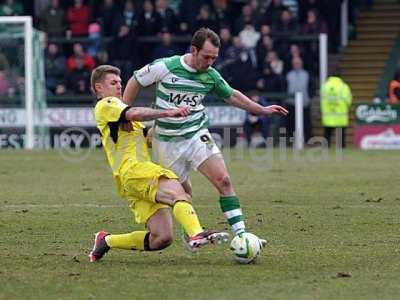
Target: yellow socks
pixel 139 240
pixel 128 241
pixel 186 216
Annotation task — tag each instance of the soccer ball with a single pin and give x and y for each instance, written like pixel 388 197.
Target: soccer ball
pixel 245 247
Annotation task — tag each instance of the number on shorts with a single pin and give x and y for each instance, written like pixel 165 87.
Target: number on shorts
pixel 205 138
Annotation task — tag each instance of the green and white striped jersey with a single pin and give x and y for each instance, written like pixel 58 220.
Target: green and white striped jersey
pixel 178 84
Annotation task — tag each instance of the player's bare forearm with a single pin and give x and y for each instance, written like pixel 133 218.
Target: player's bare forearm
pixel 148 114
pixel 131 91
pixel 242 101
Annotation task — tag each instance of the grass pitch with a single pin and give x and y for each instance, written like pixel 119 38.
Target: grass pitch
pixel 331 219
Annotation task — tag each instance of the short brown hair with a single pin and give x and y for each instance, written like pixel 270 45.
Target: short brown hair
pixel 100 72
pixel 204 34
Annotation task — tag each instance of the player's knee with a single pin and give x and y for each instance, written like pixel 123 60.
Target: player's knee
pixel 181 195
pixel 224 183
pixel 162 241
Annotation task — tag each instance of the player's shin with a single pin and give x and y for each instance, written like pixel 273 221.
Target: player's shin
pixel 135 240
pixel 230 206
pixel 185 214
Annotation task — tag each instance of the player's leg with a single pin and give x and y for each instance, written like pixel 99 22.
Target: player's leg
pixel 160 228
pixel 215 170
pixel 128 241
pixel 187 186
pixel 171 192
pixel 158 236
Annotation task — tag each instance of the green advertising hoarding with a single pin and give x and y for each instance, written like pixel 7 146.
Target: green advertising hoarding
pixel 370 114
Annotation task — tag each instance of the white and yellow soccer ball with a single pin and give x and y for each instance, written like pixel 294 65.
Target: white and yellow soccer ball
pixel 246 247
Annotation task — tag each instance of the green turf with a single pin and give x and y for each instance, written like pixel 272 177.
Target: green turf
pixel 323 214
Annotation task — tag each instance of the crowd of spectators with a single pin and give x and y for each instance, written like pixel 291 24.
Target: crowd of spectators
pixel 268 40
pixel 255 37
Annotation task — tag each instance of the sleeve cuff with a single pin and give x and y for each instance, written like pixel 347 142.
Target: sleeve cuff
pixel 122 117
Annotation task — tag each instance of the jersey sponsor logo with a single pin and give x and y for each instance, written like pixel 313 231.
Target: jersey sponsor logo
pixel 189 99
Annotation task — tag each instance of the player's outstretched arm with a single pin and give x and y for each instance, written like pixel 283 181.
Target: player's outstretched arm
pixel 148 114
pixel 131 91
pixel 242 101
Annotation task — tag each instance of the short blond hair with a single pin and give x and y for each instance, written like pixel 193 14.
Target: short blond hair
pixel 99 73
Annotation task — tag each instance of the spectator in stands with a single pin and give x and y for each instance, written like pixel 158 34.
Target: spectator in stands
pixel 249 37
pixel 221 13
pixel 265 29
pixel 275 62
pixel 285 25
pixel 298 80
pixel 204 19
pixel 394 89
pixel 149 20
pixel 305 6
pixel 107 16
pixel 336 100
pixel 95 43
pixel 235 49
pixel 271 79
pixel 52 20
pixel 240 63
pixel 188 11
pixel 129 17
pixel 169 20
pixel 78 80
pixel 166 48
pixel 254 123
pixel 246 17
pixel 265 45
pixel 149 25
pixel 296 51
pixel 273 12
pixel 39 6
pixel 80 56
pixel 78 18
pixel 124 51
pixel 54 67
pixel 314 24
pixel 102 57
pixel 293 6
pixel 11 8
pixel 226 42
pixel 257 13
pixel 61 90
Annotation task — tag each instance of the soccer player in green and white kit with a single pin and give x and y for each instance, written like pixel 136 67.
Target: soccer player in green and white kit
pixel 183 144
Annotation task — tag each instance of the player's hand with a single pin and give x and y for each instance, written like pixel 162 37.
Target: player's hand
pixel 275 110
pixel 126 126
pixel 179 112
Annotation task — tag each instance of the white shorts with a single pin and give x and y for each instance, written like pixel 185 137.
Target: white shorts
pixel 185 155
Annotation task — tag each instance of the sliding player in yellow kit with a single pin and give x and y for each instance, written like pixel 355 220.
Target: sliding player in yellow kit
pixel 151 191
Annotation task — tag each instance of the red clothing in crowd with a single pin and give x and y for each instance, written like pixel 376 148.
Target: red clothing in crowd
pixel 78 20
pixel 88 62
